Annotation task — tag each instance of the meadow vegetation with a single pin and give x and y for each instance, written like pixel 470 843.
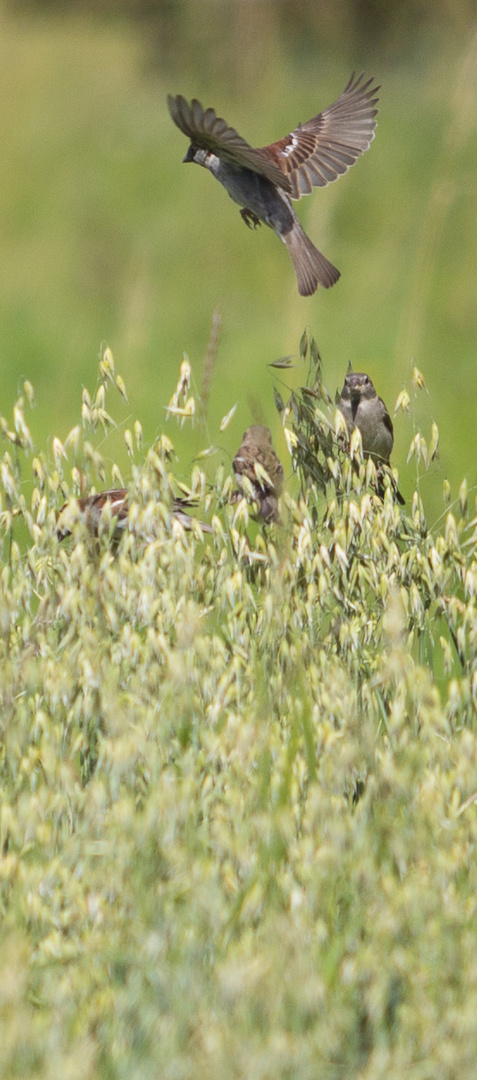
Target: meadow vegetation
pixel 238 772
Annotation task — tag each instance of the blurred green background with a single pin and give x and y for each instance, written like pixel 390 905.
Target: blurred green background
pixel 107 238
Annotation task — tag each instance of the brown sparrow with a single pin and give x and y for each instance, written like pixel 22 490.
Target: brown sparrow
pixel 257 461
pixel 90 508
pixel 264 181
pixel 363 409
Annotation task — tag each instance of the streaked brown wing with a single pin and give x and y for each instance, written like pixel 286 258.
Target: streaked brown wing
pixel 116 496
pixel 318 152
pixel 244 464
pixel 273 466
pixel 209 131
pixel 90 507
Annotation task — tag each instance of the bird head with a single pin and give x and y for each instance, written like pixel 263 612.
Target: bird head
pixel 257 435
pixel 197 154
pixel 358 387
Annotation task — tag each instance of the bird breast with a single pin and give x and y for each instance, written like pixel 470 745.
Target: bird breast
pixel 376 437
pixel 256 193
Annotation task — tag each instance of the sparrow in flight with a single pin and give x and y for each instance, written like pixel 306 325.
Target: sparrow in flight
pixel 363 409
pixel 90 507
pixel 264 181
pixel 257 461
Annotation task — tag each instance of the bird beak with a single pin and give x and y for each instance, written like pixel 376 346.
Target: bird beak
pixel 189 156
pixel 357 391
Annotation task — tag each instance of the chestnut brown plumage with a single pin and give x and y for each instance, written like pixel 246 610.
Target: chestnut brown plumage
pixel 263 181
pixel 90 508
pixel 257 461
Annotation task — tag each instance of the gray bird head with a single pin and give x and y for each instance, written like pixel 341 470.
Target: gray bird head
pixel 358 387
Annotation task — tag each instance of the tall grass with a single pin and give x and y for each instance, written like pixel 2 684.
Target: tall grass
pixel 238 795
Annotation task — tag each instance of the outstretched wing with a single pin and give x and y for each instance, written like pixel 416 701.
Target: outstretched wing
pixel 209 131
pixel 318 152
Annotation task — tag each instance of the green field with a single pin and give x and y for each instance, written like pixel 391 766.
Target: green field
pixel 107 238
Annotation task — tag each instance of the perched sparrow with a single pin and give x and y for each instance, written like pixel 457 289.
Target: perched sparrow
pixel 263 181
pixel 257 460
pixel 90 507
pixel 363 409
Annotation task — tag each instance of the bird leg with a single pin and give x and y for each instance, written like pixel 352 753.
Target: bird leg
pixel 250 218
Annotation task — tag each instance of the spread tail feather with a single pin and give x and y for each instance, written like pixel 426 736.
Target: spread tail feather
pixel 311 267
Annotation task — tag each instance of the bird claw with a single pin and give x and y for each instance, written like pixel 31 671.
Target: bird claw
pixel 251 220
